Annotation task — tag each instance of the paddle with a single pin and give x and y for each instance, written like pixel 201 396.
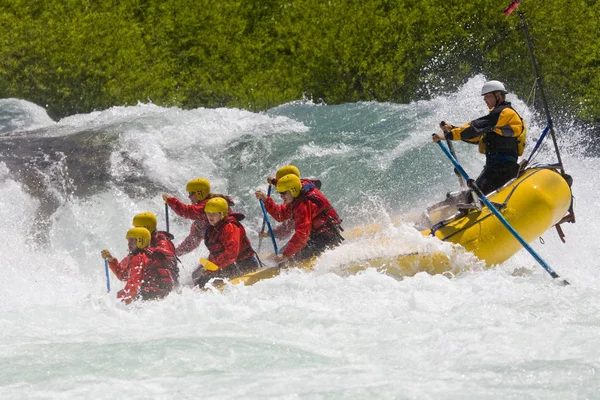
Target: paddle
pixel 471 184
pixel 264 210
pixel 167 215
pixel 264 221
pixel 107 276
pixel 461 181
pixel 451 147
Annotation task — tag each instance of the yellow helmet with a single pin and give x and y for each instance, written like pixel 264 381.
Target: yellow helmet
pixel 289 182
pixel 141 234
pixel 199 186
pixel 145 220
pixel 288 169
pixel 217 204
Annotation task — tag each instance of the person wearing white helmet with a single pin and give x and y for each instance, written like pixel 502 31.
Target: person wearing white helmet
pixel 500 135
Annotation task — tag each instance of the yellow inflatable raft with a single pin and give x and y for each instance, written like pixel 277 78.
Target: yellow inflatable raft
pixel 531 203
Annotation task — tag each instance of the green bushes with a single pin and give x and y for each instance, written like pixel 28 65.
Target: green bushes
pixel 75 56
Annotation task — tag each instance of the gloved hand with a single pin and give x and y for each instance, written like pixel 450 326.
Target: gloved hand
pixel 208 265
pixel 437 137
pixel 197 274
pixel 106 255
pixel 260 195
pixel 124 296
pixel 280 258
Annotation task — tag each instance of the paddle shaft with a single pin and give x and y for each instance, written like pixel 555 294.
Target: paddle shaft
pixel 107 276
pixel 264 210
pixel 264 221
pixel 461 181
pixel 493 209
pixel 167 216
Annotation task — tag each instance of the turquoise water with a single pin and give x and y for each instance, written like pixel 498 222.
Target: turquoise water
pixel 70 188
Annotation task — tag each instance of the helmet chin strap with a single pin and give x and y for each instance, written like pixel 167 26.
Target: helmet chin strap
pixel 498 100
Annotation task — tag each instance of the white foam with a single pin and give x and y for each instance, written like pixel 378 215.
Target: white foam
pixel 510 330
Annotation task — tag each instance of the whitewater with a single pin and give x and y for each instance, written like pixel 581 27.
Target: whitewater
pixel 69 189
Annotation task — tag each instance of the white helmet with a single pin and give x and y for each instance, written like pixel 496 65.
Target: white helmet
pixel 493 86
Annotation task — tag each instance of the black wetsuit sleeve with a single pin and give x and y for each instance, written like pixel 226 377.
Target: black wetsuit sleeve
pixel 479 126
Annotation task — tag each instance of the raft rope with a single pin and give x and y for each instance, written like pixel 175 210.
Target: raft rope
pixel 512 7
pixel 498 206
pixel 539 142
pixel 531 98
pixel 471 183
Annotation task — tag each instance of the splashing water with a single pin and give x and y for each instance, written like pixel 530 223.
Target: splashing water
pixel 70 188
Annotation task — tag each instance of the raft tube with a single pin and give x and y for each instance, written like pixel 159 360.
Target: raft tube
pixel 532 204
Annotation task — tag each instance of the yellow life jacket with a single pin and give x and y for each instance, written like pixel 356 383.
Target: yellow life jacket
pixel 520 139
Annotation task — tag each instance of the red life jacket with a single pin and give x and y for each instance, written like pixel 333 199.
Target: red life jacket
pixel 162 253
pixel 196 213
pixel 307 181
pixel 327 221
pixel 213 239
pixel 157 279
pixel 148 282
pixel 304 182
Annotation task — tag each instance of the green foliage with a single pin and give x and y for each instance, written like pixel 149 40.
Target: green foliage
pixel 77 56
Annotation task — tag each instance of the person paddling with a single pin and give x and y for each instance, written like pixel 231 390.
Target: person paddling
pixel 317 225
pixel 231 254
pixel 144 280
pixel 286 228
pixel 500 135
pixel 292 169
pixel 161 248
pixel 199 194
